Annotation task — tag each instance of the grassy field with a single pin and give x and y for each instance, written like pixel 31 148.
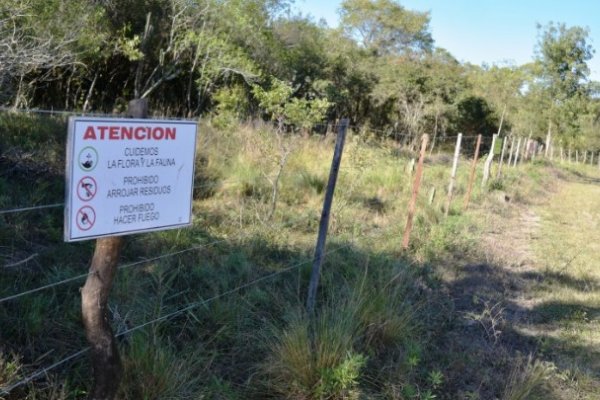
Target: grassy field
pixel 499 301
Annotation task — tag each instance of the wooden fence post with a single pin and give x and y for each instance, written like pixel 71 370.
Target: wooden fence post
pixel 527 148
pixel 473 169
pixel 548 141
pixel 415 192
pixel 577 156
pixel 517 152
pixel 569 155
pixel 488 162
pixel 106 363
pixel 324 223
pixel 510 153
pixel 431 195
pixel 562 154
pixel 504 145
pixel 410 167
pixel 591 158
pixel 585 156
pixel 453 173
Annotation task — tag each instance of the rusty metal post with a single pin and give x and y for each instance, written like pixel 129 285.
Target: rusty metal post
pixel 324 224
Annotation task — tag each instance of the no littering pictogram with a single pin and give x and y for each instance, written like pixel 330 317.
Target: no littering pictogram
pixel 85 218
pixel 86 188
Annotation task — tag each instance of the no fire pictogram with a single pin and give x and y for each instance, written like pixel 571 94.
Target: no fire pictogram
pixel 86 188
pixel 86 218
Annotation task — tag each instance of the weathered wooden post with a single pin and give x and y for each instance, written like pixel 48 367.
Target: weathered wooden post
pixel 488 162
pixel 548 140
pixel 517 152
pixel 410 167
pixel 591 158
pixel 473 170
pixel 106 363
pixel 432 192
pixel 510 153
pixel 415 192
pixel 504 145
pixel 453 173
pixel 324 223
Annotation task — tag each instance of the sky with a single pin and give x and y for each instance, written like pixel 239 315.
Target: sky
pixel 488 31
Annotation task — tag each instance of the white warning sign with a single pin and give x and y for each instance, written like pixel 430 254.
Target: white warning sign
pixel 128 176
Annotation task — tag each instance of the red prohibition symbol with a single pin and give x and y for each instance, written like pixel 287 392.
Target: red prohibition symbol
pixel 86 188
pixel 85 218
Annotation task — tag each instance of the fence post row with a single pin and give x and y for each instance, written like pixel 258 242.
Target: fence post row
pixel 415 192
pixel 324 223
pixel 472 175
pixel 104 354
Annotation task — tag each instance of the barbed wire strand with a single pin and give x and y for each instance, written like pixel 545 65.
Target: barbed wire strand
pixel 89 114
pixel 129 265
pixel 43 371
pixel 121 267
pixel 30 208
pixel 39 207
pixel 223 183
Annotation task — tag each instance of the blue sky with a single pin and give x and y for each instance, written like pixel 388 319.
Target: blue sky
pixel 490 31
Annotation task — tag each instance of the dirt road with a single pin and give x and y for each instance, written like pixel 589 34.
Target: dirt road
pixel 527 303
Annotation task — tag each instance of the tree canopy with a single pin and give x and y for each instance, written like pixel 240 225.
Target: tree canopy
pixel 228 58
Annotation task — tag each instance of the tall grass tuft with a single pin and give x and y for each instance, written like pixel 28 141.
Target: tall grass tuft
pixel 153 370
pixel 10 368
pixel 325 357
pixel 319 364
pixel 526 380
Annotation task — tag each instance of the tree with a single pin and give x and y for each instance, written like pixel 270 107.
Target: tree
pixel 34 44
pixel 474 116
pixel 562 54
pixel 385 27
pixel 500 85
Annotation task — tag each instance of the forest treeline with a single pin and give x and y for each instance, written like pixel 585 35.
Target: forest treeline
pixel 237 59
